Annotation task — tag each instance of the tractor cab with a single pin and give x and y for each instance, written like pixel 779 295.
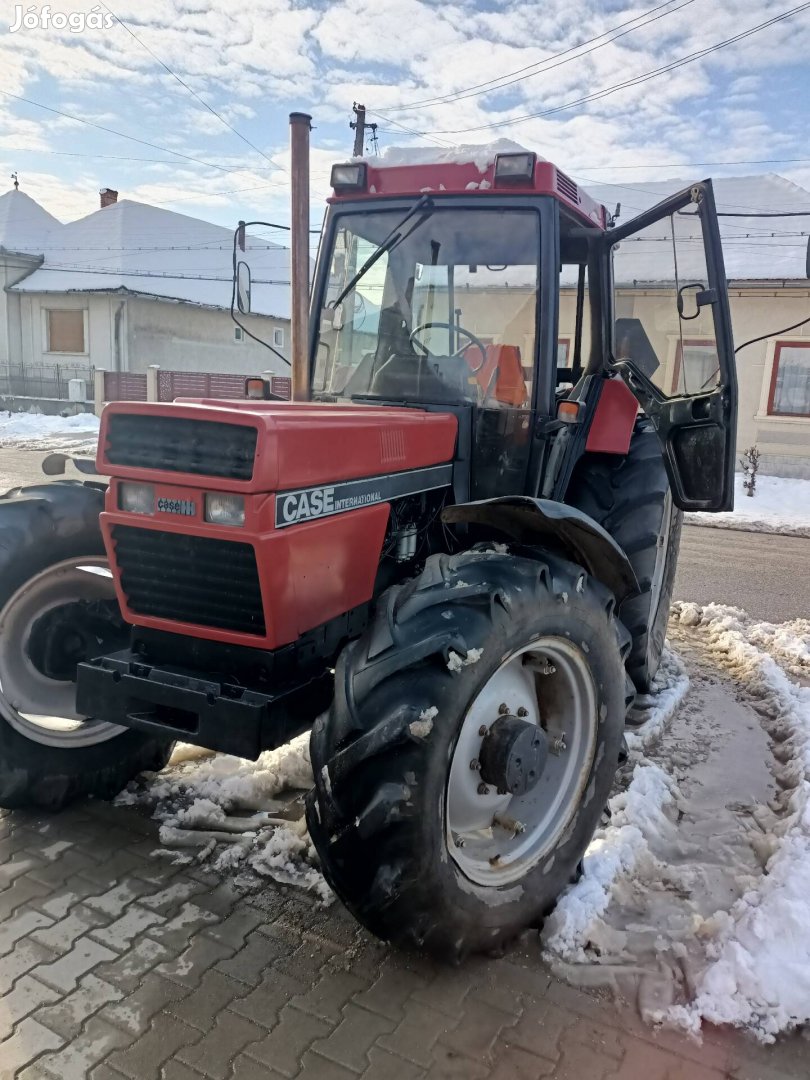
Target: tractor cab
pixel 489 287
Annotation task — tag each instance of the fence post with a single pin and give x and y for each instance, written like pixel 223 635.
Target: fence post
pixel 98 391
pixel 152 391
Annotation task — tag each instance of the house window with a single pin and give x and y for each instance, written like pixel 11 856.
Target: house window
pixel 563 351
pixel 238 333
pixel 696 367
pixel 278 337
pixel 66 331
pixel 790 381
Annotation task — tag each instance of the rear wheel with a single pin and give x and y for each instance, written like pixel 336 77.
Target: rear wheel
pixel 57 608
pixel 630 498
pixel 470 749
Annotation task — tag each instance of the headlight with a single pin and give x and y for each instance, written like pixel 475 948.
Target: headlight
pixel 136 498
pixel 225 509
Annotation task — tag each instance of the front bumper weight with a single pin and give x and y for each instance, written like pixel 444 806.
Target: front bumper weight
pixel 123 690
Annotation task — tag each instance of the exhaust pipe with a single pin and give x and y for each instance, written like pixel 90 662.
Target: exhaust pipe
pixel 299 253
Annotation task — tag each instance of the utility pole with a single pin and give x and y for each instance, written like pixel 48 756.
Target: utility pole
pixel 358 126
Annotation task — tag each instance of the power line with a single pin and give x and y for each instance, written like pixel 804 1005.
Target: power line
pixel 636 81
pixel 691 164
pixel 112 131
pixel 490 86
pixel 193 92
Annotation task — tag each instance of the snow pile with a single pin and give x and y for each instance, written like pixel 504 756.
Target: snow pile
pixel 201 806
pixel 636 815
pixel 621 849
pixel 779 505
pixel 759 974
pixel 31 425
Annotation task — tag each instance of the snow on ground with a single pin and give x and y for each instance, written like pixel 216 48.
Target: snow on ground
pixel 36 431
pixel 695 897
pixel 779 505
pixel 227 812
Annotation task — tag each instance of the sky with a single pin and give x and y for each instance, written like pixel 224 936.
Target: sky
pixel 426 72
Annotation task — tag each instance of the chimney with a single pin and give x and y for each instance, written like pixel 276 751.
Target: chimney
pixel 108 196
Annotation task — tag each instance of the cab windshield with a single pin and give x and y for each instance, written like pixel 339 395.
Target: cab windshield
pixel 446 313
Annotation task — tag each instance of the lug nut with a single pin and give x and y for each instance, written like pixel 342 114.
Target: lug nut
pixel 483 789
pixel 510 824
pixel 475 764
pixel 559 745
pixel 494 860
pixel 503 708
pixel 459 841
pixel 522 712
pixel 482 730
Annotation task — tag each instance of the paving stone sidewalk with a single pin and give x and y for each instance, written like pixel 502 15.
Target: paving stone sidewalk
pixel 116 964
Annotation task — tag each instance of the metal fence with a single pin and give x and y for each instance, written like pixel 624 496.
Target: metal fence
pixel 126 386
pixel 43 380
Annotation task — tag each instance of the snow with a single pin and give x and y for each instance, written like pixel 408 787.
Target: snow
pixel 482 156
pixel 759 974
pixel 779 505
pixel 201 803
pixel 622 847
pixel 32 425
pixel 456 662
pixel 422 727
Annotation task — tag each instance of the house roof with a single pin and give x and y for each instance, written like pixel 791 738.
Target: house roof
pixel 144 250
pixel 754 248
pixel 24 224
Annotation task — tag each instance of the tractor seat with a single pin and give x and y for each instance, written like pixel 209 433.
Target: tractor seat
pixel 501 375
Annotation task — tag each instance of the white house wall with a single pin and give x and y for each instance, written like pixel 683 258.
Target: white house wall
pixel 98 336
pixel 183 337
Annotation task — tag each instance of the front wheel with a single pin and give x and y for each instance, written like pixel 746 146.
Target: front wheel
pixel 57 608
pixel 470 749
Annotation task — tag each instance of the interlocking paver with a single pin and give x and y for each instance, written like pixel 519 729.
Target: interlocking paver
pixel 416 1034
pixel 67 1016
pixel 286 1044
pixel 28 994
pixel 29 1040
pixel 57 902
pixel 392 989
pixel 64 973
pixel 477 1031
pixel 578 1061
pixel 229 1036
pixel 162 1041
pixel 350 1042
pixel 447 1064
pixel 113 900
pixel 61 934
pixel 314 1067
pixel 328 996
pixel 176 1070
pixel 127 971
pixel 246 1068
pixel 264 1003
pixel 177 932
pixel 215 992
pixel 57 873
pixel 540 1030
pixel 383 1065
pixel 134 1012
pixel 76 1059
pixel 19 926
pixel 168 900
pixel 21 893
pixel 20 863
pixel 511 1063
pixel 235 928
pixel 135 921
pixel 189 967
pixel 26 956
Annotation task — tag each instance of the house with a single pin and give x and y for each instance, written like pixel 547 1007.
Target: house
pixel 129 286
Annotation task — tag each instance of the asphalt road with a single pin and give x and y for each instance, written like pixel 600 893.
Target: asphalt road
pixel 766 574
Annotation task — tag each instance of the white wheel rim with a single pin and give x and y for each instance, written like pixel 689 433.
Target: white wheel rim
pixel 38 707
pixel 563 702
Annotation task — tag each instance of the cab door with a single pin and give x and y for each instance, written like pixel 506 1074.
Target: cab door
pixel 672 342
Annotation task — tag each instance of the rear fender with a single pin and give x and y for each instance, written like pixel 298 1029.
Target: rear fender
pixel 538 521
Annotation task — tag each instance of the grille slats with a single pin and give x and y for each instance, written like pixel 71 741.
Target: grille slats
pixel 192 579
pixel 178 444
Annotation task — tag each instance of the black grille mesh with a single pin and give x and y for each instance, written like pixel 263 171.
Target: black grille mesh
pixel 193 579
pixel 177 444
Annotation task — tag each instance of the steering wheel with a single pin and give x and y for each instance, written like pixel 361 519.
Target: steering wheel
pixel 424 351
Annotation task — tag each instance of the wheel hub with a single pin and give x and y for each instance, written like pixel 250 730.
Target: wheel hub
pixel 513 755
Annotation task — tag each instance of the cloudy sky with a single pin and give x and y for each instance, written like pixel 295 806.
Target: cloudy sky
pixel 462 71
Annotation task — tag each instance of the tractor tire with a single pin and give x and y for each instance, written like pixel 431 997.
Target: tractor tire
pixel 406 834
pixel 630 498
pixel 49 535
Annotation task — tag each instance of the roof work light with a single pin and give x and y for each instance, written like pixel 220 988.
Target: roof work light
pixel 515 168
pixel 349 177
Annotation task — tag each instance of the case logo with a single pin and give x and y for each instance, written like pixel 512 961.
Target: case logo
pixel 186 507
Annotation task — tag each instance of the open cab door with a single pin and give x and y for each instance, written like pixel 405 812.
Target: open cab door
pixel 672 341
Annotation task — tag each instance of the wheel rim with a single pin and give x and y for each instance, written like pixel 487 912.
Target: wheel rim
pixel 549 678
pixel 37 706
pixel 659 573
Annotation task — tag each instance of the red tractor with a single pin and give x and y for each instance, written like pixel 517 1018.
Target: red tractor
pixel 451 558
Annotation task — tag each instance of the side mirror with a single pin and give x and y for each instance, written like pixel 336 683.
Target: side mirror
pixel 243 287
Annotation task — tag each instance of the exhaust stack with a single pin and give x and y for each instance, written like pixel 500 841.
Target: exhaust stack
pixel 299 253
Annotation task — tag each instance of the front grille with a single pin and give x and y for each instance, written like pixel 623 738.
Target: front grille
pixel 177 444
pixel 192 579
